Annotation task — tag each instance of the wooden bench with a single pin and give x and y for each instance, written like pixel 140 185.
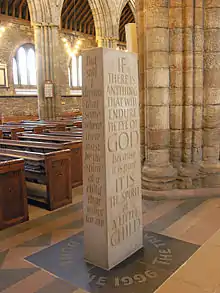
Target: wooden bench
pixel 46 147
pixel 27 127
pixel 13 194
pixel 38 124
pixel 10 132
pixel 48 176
pixel 74 134
pixel 60 125
pixel 47 138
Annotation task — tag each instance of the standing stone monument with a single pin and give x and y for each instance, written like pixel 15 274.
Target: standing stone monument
pixel 111 157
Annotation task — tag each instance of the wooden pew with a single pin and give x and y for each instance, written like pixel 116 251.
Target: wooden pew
pixel 10 132
pixel 30 128
pixel 48 176
pixel 74 134
pixel 37 124
pixel 1 134
pixel 13 194
pixel 47 138
pixel 46 147
pixel 60 125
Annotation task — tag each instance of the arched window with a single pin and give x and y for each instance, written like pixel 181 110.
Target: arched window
pixel 75 71
pixel 24 66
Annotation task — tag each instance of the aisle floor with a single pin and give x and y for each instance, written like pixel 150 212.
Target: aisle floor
pixel 45 255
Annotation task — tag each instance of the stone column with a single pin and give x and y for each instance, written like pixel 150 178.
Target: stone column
pixel 176 24
pixel 158 173
pixel 192 81
pixel 198 93
pixel 47 45
pixel 131 37
pixel 186 95
pixel 107 42
pixel 141 66
pixel 211 124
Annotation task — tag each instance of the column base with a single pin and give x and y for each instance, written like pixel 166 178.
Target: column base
pixel 211 174
pixel 189 176
pixel 159 177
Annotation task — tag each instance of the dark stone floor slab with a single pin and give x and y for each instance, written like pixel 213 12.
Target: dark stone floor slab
pixel 12 276
pixel 174 215
pixel 143 272
pixel 58 286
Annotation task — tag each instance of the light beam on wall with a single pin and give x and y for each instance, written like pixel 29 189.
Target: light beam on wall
pixel 2 30
pixel 72 50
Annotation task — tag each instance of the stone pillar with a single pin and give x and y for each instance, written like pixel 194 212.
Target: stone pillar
pixel 47 45
pixel 131 37
pixel 111 151
pixel 186 92
pixel 107 42
pixel 141 64
pixel 176 24
pixel 158 173
pixel 211 124
pixel 198 93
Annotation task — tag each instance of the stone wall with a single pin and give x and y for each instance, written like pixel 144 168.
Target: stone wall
pixel 28 106
pixel 18 33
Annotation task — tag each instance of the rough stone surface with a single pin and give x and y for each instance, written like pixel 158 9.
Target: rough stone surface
pixel 188 36
pixel 28 106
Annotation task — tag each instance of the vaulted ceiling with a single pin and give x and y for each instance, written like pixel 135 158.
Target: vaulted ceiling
pixel 15 8
pixel 127 16
pixel 76 15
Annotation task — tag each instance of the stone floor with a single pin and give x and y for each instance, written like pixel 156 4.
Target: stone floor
pixel 45 255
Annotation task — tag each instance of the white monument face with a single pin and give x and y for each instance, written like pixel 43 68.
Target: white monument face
pixel 111 150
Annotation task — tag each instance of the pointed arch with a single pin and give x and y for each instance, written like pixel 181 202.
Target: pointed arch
pixel 46 11
pixel 122 5
pixel 127 16
pixel 102 13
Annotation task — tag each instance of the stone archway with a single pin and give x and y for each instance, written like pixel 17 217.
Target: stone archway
pixel 104 14
pixel 127 16
pixel 123 3
pixel 45 11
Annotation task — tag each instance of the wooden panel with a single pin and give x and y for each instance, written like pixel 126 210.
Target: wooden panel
pixel 59 180
pixel 54 181
pixel 13 196
pixel 76 157
pixel 46 147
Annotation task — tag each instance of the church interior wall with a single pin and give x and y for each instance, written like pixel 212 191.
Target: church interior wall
pixel 18 33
